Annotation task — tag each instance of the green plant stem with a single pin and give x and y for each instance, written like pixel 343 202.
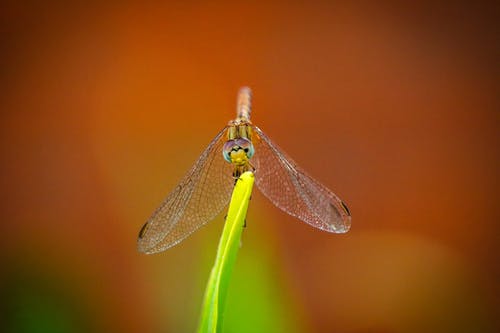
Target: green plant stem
pixel 215 293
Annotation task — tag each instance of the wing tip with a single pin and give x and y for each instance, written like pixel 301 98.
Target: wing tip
pixel 339 228
pixel 147 245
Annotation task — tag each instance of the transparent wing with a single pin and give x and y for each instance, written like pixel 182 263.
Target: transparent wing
pixel 201 195
pixel 293 191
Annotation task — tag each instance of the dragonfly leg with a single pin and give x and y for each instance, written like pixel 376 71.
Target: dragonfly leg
pixel 251 165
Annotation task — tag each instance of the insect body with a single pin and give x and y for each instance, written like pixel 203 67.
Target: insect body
pixel 206 189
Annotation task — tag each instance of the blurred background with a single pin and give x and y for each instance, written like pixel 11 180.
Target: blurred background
pixel 395 107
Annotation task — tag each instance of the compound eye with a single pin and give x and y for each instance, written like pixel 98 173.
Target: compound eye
pixel 226 150
pixel 246 145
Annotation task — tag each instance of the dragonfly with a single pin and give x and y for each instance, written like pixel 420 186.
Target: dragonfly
pixel 206 188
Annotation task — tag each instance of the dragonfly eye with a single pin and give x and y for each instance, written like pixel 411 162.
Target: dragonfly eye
pixel 247 146
pixel 236 145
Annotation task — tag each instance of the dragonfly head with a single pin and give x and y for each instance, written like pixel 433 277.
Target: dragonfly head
pixel 238 151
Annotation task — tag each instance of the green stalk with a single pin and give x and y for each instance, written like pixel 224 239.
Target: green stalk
pixel 215 293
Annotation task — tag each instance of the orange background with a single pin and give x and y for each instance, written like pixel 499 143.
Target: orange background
pixel 395 107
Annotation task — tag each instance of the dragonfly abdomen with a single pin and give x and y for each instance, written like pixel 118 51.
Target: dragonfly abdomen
pixel 244 104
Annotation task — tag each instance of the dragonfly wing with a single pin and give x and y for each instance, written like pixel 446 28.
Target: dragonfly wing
pixel 295 192
pixel 201 195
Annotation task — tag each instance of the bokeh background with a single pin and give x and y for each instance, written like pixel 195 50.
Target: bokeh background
pixel 104 107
